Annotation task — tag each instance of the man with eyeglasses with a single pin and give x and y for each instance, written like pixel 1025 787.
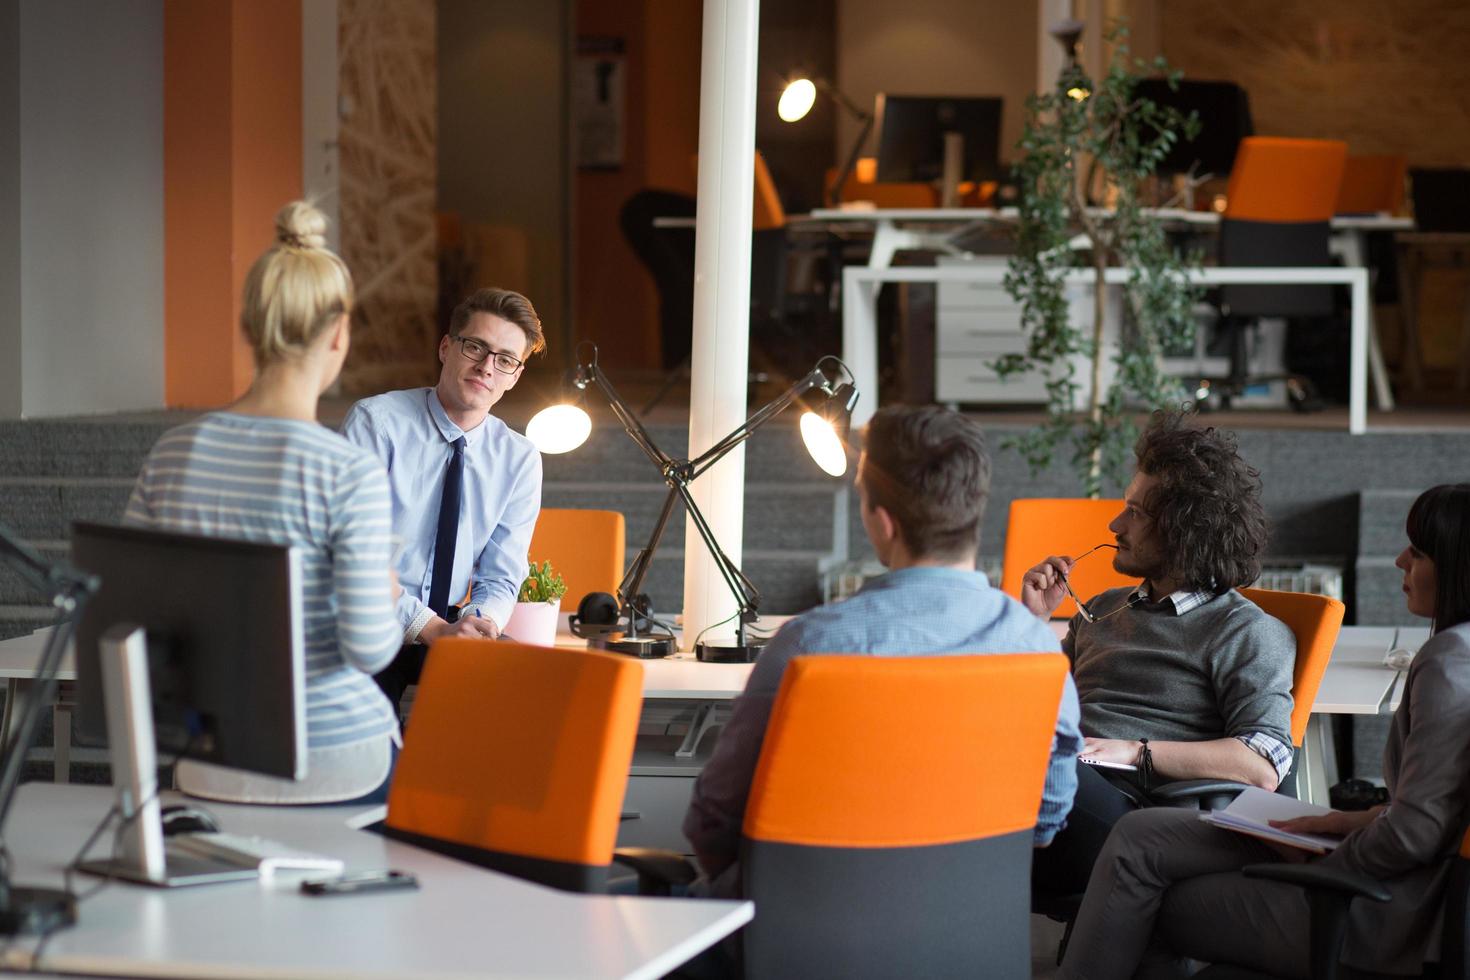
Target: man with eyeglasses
pixel 466 487
pixel 1181 677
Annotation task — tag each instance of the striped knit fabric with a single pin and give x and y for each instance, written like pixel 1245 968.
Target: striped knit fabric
pixel 290 482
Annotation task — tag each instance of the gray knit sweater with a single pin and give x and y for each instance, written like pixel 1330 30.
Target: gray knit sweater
pixel 1223 668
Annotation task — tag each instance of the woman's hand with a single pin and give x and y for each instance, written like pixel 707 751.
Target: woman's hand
pixel 1338 823
pixel 1043 587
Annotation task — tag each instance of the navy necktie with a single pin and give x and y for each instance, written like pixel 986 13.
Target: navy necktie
pixel 448 531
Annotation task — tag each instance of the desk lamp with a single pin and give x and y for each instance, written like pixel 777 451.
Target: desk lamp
pixel 562 428
pixel 797 100
pixel 23 909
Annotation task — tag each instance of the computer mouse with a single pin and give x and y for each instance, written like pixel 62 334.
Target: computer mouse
pixel 186 818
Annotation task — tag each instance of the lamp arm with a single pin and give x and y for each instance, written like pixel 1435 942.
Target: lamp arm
pixel 852 159
pixel 835 94
pixel 631 425
pixel 632 582
pixel 747 596
pixel 746 429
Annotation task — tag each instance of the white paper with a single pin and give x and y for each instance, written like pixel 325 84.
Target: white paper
pixel 1252 811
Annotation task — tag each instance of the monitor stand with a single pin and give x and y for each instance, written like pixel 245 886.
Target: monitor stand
pixel 139 851
pixel 954 165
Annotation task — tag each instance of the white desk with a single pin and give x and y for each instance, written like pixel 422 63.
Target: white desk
pixel 860 287
pixel 464 921
pixel 19 657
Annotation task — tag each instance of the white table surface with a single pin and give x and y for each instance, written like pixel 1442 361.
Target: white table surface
pixel 464 921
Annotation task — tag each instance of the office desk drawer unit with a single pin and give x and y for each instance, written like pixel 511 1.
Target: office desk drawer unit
pixel 659 787
pixel 975 323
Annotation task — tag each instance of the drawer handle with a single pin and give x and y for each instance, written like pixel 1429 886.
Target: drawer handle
pixel 631 815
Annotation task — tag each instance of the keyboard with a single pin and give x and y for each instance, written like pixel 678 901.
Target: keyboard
pixel 264 855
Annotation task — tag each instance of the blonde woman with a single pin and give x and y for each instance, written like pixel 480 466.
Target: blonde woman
pixel 263 469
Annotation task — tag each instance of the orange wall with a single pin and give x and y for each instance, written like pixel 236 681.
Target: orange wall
pixel 616 302
pixel 232 157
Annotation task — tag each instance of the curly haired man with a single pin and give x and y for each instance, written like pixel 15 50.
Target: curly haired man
pixel 1182 676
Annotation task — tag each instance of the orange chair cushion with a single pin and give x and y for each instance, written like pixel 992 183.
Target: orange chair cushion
pixel 1285 180
pixel 863 185
pixel 1315 621
pixel 585 547
pixel 866 751
pixel 518 749
pixel 1042 526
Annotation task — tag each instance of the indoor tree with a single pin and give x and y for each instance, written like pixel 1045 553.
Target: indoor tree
pixel 1089 148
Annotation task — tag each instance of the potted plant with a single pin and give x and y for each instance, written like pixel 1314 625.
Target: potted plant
pixel 1088 144
pixel 537 607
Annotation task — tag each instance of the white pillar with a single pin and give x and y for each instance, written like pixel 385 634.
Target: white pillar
pixel 721 352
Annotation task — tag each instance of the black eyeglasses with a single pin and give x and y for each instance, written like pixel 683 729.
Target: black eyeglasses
pixel 478 350
pixel 1082 610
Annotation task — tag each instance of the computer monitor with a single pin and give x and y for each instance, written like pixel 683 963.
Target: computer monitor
pixel 1224 112
pixel 911 132
pixel 194 645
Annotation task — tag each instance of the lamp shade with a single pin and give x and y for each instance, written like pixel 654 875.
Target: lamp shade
pixel 797 100
pixel 823 443
pixel 559 428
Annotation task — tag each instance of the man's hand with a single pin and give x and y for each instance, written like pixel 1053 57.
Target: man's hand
pixel 1117 750
pixel 1042 589
pixel 474 627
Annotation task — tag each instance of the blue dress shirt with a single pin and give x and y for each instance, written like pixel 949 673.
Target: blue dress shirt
pixel 411 433
pixel 910 612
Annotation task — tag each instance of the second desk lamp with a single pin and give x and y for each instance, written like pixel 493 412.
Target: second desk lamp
pixel 562 428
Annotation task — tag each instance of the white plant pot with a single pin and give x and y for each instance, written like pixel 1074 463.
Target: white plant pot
pixel 534 623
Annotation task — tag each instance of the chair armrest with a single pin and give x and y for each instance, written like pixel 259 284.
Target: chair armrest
pixel 658 870
pixel 1207 794
pixel 1315 877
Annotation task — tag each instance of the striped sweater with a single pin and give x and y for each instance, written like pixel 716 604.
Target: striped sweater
pixel 291 482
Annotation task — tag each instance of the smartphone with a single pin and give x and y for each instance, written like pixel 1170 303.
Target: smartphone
pixel 360 881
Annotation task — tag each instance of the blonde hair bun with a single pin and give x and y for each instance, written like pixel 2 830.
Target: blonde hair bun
pixel 301 225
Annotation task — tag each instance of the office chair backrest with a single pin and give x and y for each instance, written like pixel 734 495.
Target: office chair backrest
pixel 1373 184
pixel 1285 180
pixel 863 185
pixel 586 547
pixel 517 758
pixel 1039 527
pixel 1315 621
pixel 890 820
pixel 1280 200
pixel 1441 199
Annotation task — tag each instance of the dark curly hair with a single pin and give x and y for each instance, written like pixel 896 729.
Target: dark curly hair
pixel 1206 505
pixel 928 467
pixel 1439 526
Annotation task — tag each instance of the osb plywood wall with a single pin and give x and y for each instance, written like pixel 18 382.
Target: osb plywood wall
pixel 388 135
pixel 1388 77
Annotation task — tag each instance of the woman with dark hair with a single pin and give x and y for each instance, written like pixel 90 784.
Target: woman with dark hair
pixel 1167 886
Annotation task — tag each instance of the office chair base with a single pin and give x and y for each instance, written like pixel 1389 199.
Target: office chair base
pixel 642 647
pixel 729 653
pixel 28 911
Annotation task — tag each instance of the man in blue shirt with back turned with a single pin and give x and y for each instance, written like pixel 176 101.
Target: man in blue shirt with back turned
pixel 466 487
pixel 922 481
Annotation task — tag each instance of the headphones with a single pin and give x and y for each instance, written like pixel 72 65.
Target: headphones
pixel 597 615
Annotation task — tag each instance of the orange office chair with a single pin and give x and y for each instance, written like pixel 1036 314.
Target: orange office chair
pixel 586 547
pixel 863 185
pixel 863 845
pixel 1060 526
pixel 1315 621
pixel 1373 184
pixel 517 759
pixel 1279 205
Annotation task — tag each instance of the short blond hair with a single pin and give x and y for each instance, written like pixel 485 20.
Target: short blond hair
pixel 296 289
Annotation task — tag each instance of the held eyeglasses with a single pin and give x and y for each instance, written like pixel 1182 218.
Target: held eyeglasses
pixel 1087 614
pixel 478 350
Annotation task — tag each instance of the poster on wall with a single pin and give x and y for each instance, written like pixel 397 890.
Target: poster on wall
pixel 598 81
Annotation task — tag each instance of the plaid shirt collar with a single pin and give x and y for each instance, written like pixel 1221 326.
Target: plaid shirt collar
pixel 1182 601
